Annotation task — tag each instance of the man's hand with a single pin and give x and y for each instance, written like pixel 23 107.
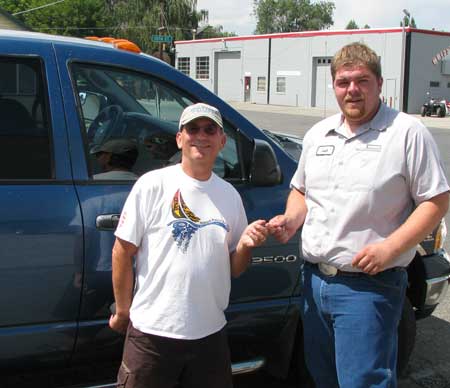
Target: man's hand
pixel 281 229
pixel 373 258
pixel 254 235
pixel 119 323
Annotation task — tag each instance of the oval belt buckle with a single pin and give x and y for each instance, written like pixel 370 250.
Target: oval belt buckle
pixel 327 270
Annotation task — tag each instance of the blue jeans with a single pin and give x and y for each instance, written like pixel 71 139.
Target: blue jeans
pixel 350 327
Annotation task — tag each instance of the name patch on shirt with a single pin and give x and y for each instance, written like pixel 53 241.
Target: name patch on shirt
pixel 369 147
pixel 325 150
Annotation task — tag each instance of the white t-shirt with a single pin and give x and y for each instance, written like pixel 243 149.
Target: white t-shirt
pixel 185 230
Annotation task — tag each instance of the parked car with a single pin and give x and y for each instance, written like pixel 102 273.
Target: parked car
pixel 61 99
pixel 435 106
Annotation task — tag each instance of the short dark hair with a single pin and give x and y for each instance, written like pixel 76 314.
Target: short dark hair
pixel 355 54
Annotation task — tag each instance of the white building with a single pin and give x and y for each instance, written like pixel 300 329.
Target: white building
pixel 294 68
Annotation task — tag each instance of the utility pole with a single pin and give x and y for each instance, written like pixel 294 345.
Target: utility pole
pixel 161 28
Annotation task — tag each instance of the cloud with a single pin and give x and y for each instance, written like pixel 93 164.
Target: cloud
pixel 234 15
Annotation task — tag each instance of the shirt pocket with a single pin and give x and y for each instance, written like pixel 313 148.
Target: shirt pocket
pixel 317 170
pixel 363 168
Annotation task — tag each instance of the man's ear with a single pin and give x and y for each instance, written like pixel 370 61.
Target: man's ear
pixel 224 139
pixel 380 84
pixel 178 139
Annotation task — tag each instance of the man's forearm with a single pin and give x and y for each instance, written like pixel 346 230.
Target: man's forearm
pixel 239 260
pixel 420 223
pixel 123 279
pixel 295 210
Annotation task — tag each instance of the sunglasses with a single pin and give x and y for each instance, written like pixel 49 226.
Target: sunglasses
pixel 210 130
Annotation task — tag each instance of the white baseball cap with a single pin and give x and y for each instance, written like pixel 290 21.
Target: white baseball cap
pixel 195 111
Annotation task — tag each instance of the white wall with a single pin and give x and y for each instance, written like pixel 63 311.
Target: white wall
pixel 292 56
pixel 423 48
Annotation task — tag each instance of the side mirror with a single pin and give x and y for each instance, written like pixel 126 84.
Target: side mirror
pixel 264 170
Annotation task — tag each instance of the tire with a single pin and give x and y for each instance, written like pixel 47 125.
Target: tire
pixel 440 111
pixel 406 337
pixel 423 111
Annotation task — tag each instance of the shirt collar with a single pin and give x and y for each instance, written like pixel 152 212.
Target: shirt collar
pixel 379 123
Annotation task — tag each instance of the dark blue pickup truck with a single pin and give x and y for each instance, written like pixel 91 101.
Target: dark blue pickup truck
pixel 60 100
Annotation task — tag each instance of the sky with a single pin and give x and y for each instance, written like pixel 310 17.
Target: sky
pixel 237 15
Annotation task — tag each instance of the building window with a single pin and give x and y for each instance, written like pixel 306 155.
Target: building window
pixel 434 84
pixel 261 84
pixel 281 84
pixel 202 67
pixel 184 65
pixel 448 84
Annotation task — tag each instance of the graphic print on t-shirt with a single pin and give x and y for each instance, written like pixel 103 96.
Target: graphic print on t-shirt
pixel 186 223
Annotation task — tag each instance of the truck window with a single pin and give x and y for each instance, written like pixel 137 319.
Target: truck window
pixel 130 121
pixel 24 131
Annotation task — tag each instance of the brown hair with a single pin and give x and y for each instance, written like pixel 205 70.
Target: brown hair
pixel 356 54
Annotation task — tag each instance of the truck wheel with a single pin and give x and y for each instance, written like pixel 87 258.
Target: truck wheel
pixel 406 336
pixel 423 111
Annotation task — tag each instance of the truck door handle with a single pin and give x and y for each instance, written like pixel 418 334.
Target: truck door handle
pixel 107 221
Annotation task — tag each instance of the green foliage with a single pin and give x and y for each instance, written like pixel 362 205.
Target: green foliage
pixel 70 17
pixel 408 22
pixel 214 32
pixel 352 25
pixel 292 15
pixel 137 20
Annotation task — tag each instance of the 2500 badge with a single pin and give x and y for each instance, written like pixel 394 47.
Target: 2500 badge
pixel 274 259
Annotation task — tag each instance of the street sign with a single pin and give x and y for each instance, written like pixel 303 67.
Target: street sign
pixel 162 38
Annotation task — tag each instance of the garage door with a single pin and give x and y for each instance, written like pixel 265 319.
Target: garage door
pixel 322 90
pixel 228 76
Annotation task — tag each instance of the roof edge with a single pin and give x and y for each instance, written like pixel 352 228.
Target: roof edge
pixel 305 34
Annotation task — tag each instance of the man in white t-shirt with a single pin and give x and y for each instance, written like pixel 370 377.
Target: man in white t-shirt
pixel 188 232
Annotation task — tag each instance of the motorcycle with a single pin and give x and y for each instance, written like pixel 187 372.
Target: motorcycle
pixel 435 106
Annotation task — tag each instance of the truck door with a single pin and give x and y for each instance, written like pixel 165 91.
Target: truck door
pixel 40 225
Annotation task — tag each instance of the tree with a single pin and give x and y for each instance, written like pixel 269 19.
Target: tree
pixel 408 22
pixel 292 15
pixel 136 20
pixel 352 25
pixel 139 19
pixel 74 17
pixel 214 32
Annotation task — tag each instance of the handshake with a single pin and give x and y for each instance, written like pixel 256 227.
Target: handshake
pixel 256 233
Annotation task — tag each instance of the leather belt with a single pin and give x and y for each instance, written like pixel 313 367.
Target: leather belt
pixel 329 270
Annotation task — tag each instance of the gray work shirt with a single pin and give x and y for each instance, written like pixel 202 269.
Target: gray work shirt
pixel 359 188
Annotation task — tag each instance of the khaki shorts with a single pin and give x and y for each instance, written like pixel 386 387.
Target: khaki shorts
pixel 161 362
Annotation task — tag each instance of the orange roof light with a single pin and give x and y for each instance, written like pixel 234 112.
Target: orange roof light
pixel 122 44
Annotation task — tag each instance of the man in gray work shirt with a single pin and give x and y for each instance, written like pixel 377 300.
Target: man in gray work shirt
pixel 368 188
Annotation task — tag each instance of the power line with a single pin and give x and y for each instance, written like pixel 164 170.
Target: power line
pixel 106 28
pixel 40 7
